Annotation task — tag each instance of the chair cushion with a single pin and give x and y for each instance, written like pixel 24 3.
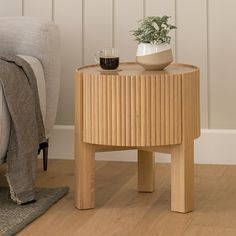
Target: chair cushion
pixel 4 114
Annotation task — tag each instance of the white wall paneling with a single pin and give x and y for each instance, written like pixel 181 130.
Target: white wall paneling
pixel 124 22
pixel 161 8
pixel 40 8
pixel 97 27
pixel 206 37
pixel 10 7
pixel 222 63
pixel 68 16
pixel 191 43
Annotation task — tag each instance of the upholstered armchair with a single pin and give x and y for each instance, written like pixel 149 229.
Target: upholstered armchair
pixel 37 41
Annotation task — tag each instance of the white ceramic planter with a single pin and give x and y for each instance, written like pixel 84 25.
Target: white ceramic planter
pixel 154 57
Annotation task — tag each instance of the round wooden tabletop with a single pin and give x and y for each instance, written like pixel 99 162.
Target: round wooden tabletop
pixel 132 68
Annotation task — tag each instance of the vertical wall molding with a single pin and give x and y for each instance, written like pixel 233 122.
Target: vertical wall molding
pixel 82 41
pixel 53 10
pixel 208 68
pixel 176 23
pixel 113 23
pixel 23 7
pixel 144 8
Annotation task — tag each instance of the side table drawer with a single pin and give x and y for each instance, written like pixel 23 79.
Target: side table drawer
pixel 141 110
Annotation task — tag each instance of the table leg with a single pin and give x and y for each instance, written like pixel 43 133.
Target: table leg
pixel 146 171
pixel 182 177
pixel 85 176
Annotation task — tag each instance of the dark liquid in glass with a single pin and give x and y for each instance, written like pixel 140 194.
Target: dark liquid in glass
pixel 109 63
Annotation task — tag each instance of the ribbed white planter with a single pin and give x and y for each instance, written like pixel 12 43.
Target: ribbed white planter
pixel 154 57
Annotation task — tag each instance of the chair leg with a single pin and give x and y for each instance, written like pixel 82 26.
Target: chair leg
pixel 45 158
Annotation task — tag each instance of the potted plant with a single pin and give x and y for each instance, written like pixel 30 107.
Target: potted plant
pixel 154 51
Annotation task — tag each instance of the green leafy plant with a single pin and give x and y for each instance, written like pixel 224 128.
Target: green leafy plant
pixel 154 30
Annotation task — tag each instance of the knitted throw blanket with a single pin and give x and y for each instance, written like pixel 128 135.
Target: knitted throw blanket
pixel 26 127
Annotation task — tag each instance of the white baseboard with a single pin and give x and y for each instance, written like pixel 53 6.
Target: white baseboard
pixel 213 147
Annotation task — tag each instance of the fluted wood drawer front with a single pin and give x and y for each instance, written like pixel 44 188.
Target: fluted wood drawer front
pixel 126 110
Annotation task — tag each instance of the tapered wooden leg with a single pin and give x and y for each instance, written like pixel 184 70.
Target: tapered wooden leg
pixel 146 171
pixel 85 177
pixel 182 177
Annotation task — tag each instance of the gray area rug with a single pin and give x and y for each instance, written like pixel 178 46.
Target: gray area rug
pixel 13 217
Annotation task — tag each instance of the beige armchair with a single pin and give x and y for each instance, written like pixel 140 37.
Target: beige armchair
pixel 37 41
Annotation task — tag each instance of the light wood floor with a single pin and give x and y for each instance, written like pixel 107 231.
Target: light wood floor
pixel 121 211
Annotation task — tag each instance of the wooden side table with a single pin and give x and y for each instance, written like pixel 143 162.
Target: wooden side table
pixel 152 111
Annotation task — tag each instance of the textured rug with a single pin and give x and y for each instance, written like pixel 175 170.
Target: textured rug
pixel 13 217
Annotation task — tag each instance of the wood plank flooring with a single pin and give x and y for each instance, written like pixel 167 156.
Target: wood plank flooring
pixel 122 211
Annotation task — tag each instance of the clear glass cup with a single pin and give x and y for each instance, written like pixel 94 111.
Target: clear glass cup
pixel 107 58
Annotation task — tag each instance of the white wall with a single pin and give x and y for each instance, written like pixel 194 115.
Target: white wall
pixel 206 37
